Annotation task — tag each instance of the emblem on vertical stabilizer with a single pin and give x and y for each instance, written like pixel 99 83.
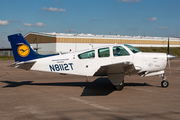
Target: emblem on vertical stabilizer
pixel 23 50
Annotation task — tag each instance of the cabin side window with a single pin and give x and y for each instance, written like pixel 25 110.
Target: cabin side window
pixel 104 52
pixel 86 55
pixel 119 51
pixel 133 49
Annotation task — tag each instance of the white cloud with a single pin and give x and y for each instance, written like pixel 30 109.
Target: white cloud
pixel 14 20
pixel 53 9
pixel 4 22
pixel 128 0
pixel 27 24
pixel 162 27
pixel 39 24
pixel 152 19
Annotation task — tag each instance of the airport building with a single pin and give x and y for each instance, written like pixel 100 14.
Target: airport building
pixel 47 43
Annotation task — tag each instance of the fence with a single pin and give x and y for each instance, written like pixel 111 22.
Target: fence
pixel 6 53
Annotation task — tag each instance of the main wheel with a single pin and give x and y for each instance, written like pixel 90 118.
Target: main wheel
pixel 165 83
pixel 119 87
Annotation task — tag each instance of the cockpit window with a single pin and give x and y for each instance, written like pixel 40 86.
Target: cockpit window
pixel 103 52
pixel 119 51
pixel 133 49
pixel 86 55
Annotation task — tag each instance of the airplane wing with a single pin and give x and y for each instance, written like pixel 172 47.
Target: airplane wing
pixel 23 65
pixel 119 68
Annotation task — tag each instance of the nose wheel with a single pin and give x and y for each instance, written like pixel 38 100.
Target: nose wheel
pixel 164 83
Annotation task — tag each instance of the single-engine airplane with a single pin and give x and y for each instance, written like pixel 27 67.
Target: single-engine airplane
pixel 114 61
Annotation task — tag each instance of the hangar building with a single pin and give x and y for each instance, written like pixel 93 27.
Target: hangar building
pixel 48 43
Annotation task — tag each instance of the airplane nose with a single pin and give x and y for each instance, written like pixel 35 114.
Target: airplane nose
pixel 170 57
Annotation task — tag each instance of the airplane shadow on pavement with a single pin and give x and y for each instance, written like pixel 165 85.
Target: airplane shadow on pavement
pixel 99 87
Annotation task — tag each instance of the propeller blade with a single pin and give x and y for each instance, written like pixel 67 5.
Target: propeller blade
pixel 169 66
pixel 169 57
pixel 168 47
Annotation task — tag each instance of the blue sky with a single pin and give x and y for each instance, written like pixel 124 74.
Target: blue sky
pixel 159 18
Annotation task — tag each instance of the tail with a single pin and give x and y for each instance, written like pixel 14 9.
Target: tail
pixel 22 51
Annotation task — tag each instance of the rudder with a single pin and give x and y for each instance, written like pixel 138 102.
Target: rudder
pixel 22 51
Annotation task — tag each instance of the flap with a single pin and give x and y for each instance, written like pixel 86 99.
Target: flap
pixel 119 68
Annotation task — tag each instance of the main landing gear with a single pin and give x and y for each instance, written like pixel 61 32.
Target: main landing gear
pixel 164 83
pixel 117 80
pixel 120 86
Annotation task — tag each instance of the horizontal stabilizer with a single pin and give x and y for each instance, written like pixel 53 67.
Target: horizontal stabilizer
pixel 23 65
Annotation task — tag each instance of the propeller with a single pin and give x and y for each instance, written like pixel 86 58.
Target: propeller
pixel 169 57
pixel 168 47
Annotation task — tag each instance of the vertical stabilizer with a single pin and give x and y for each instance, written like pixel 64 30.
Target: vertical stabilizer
pixel 21 48
pixel 22 51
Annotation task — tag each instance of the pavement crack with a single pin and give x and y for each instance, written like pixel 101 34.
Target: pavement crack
pixel 4 74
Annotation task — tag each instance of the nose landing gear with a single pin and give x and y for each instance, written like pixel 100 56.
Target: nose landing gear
pixel 164 83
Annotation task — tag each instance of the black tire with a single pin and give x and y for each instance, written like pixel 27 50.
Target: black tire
pixel 119 87
pixel 164 83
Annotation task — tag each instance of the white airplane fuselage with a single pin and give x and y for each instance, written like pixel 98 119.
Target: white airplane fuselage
pixel 71 64
pixel 113 61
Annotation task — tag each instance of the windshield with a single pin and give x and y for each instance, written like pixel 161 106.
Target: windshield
pixel 133 49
